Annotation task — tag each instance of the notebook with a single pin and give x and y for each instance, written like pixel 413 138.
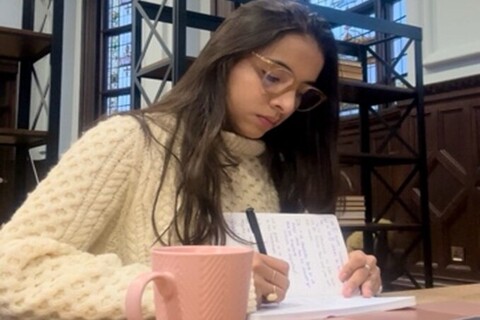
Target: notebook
pixel 314 247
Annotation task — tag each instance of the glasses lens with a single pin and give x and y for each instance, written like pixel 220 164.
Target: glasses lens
pixel 310 99
pixel 277 80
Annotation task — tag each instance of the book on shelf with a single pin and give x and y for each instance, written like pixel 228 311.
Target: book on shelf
pixel 314 247
pixel 352 198
pixel 350 69
pixel 350 209
pixel 350 222
pixel 349 75
pixel 357 215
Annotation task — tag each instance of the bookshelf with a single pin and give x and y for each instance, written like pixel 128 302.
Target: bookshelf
pixel 20 50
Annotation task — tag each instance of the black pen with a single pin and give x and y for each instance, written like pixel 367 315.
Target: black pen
pixel 252 221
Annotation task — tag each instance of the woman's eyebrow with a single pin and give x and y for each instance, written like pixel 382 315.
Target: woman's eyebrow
pixel 290 69
pixel 282 64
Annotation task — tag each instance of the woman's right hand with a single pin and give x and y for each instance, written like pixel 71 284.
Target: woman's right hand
pixel 270 276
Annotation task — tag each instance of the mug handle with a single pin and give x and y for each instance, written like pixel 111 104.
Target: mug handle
pixel 133 300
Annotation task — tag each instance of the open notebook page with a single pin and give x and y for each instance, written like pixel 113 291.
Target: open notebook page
pixel 312 244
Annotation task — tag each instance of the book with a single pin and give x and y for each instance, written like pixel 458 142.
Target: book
pixel 353 197
pixel 322 307
pixel 351 222
pixel 360 215
pixel 350 69
pixel 314 247
pixel 351 207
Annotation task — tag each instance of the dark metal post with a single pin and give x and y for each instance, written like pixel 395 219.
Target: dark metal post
pixel 23 111
pixel 179 39
pixel 28 14
pixel 422 165
pixel 26 66
pixel 365 166
pixel 55 83
pixel 136 52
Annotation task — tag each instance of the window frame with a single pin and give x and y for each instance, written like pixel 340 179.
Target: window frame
pixel 93 92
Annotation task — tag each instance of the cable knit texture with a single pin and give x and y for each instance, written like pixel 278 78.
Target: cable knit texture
pixel 85 233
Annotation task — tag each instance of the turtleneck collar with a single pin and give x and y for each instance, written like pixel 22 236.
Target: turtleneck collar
pixel 241 146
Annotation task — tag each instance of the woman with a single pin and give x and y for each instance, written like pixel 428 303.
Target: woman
pixel 252 123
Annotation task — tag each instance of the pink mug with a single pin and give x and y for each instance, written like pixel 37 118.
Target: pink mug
pixel 195 283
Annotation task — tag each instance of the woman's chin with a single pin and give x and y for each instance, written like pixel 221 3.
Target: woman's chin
pixel 254 135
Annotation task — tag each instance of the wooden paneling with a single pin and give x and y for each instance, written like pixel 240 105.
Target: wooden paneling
pixel 453 161
pixel 453 141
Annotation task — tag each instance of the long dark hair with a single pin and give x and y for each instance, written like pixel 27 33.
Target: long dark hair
pixel 301 152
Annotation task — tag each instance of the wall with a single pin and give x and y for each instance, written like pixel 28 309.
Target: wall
pixel 451 45
pixel 70 74
pixel 11 13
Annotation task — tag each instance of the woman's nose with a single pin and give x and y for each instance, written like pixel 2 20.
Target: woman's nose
pixel 286 102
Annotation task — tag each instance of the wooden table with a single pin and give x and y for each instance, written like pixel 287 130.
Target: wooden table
pixel 445 303
pixel 467 292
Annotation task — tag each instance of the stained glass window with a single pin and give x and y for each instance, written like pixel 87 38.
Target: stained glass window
pixel 339 4
pixel 398 44
pixel 118 52
pixel 117 104
pixel 119 61
pixel 119 13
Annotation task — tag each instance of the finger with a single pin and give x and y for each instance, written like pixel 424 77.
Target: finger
pixel 368 280
pixel 266 282
pixel 265 288
pixel 351 286
pixel 360 275
pixel 270 276
pixel 274 294
pixel 372 286
pixel 356 259
pixel 273 270
pixel 277 264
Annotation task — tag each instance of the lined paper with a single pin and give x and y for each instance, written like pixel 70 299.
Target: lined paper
pixel 311 243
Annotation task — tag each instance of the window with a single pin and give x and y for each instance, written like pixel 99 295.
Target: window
pixel 339 4
pixel 117 40
pixel 398 44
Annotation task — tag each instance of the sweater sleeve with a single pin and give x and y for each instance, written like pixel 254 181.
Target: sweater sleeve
pixel 45 269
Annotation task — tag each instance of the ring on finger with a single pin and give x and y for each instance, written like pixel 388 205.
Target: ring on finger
pixel 273 276
pixel 273 296
pixel 367 266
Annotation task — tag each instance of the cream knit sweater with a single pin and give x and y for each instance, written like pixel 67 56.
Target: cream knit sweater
pixel 85 233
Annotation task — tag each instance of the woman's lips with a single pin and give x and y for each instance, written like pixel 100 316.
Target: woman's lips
pixel 267 122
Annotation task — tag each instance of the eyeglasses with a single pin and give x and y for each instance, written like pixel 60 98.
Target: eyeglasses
pixel 277 80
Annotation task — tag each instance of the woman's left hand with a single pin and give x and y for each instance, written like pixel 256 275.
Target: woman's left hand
pixel 361 272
